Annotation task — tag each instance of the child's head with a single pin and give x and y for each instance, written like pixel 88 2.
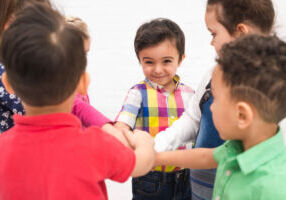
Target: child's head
pixel 227 19
pixel 249 84
pixel 80 24
pixel 9 7
pixel 41 63
pixel 160 48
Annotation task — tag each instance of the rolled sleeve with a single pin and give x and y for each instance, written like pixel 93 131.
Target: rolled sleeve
pixel 130 108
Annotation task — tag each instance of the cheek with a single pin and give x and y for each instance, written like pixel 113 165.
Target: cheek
pixel 214 112
pixel 224 39
pixel 146 70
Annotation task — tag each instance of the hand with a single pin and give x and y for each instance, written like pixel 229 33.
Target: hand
pixel 138 138
pixel 116 133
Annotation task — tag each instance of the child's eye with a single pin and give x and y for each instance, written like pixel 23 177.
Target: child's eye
pixel 213 35
pixel 167 61
pixel 148 62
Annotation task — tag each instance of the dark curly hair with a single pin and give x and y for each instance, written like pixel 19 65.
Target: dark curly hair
pixel 254 67
pixel 258 13
pixel 156 31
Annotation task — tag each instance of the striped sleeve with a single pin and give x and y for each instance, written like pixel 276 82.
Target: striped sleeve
pixel 130 108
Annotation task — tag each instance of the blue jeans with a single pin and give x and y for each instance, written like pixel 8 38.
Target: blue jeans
pixel 162 186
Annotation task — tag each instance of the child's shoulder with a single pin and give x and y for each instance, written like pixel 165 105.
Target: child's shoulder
pixel 140 85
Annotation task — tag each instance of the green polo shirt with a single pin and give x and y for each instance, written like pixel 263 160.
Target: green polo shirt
pixel 258 173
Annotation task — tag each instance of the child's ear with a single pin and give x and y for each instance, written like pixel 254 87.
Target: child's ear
pixel 8 22
pixel 6 83
pixel 241 29
pixel 83 83
pixel 182 59
pixel 244 115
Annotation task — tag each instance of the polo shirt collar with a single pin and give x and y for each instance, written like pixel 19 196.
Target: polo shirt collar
pixel 48 120
pixel 156 86
pixel 256 156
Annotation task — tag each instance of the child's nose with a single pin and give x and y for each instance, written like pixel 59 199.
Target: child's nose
pixel 158 68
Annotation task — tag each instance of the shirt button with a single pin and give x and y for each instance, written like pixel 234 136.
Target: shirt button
pixel 228 172
pixel 217 198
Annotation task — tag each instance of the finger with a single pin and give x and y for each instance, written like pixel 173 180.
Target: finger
pixel 129 137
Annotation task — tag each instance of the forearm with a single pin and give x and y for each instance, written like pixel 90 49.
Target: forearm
pixel 201 158
pixel 181 132
pixel 145 159
pixel 122 126
pixel 88 115
pixel 110 129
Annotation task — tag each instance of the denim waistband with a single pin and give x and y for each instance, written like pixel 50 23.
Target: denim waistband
pixel 168 177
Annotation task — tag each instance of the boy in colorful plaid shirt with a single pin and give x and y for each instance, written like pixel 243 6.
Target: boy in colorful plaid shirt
pixel 155 103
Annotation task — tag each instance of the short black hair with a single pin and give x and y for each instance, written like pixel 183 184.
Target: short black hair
pixel 43 56
pixel 156 31
pixel 254 67
pixel 258 13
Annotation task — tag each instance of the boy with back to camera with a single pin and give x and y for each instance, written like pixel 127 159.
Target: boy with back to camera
pixel 249 89
pixel 155 103
pixel 47 155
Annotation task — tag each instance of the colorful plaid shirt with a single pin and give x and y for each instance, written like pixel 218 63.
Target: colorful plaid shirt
pixel 149 107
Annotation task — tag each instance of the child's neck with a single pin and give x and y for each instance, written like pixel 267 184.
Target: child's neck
pixel 64 107
pixel 170 87
pixel 258 135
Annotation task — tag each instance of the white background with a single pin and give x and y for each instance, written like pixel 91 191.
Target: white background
pixel 112 62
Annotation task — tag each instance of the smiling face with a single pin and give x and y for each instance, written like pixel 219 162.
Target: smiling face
pixel 220 35
pixel 160 63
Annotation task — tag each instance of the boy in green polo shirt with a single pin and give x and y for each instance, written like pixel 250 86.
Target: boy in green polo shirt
pixel 249 88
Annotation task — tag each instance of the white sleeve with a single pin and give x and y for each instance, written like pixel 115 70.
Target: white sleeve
pixel 185 129
pixel 283 127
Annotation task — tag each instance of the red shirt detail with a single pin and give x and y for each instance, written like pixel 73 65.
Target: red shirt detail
pixel 51 157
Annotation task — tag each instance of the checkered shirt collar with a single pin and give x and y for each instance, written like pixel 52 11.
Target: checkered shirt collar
pixel 160 87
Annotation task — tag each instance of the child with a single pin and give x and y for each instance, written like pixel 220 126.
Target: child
pixel 47 155
pixel 9 103
pixel 226 20
pixel 155 103
pixel 81 108
pixel 246 111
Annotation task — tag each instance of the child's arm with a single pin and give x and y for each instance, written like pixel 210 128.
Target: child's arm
pixel 110 129
pixel 126 118
pixel 185 128
pixel 88 114
pixel 200 158
pixel 143 145
pixel 122 126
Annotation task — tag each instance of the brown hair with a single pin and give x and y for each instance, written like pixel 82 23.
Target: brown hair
pixel 9 7
pixel 254 67
pixel 38 52
pixel 156 31
pixel 80 24
pixel 258 13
